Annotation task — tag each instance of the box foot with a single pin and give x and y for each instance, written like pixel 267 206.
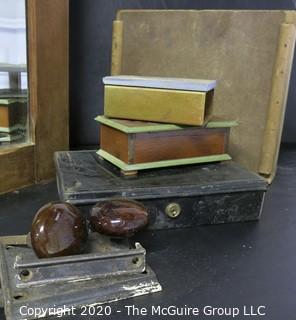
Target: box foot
pixel 132 173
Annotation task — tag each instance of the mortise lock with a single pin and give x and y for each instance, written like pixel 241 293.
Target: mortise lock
pixel 173 210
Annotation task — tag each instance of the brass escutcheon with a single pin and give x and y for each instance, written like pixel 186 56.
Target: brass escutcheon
pixel 173 210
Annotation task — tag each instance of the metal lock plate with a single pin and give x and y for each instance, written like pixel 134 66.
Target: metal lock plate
pixel 109 271
pixel 173 210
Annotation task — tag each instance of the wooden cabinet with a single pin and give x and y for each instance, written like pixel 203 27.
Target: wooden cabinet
pixel 47 44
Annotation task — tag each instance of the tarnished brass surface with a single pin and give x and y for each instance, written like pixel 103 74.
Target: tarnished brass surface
pixel 173 210
pixel 159 105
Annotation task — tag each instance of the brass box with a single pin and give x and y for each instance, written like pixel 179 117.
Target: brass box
pixel 165 103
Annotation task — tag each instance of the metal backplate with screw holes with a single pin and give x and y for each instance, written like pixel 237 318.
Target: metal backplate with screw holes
pixel 109 271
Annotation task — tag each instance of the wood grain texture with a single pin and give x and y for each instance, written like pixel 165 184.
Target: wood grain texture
pixel 136 148
pixel 16 167
pixel 159 105
pixel 48 34
pixel 114 142
pixel 149 147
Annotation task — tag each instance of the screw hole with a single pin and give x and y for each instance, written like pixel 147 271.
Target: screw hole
pixel 18 297
pixel 135 260
pixel 25 274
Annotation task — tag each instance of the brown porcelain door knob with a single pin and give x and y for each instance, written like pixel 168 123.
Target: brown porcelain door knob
pixel 118 217
pixel 58 229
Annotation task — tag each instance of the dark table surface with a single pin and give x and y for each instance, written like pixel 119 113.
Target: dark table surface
pixel 234 265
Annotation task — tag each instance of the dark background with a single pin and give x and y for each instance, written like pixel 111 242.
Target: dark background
pixel 90 53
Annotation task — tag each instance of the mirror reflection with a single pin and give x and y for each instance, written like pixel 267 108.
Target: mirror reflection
pixel 13 73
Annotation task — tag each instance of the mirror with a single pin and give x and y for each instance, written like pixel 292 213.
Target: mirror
pixel 14 112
